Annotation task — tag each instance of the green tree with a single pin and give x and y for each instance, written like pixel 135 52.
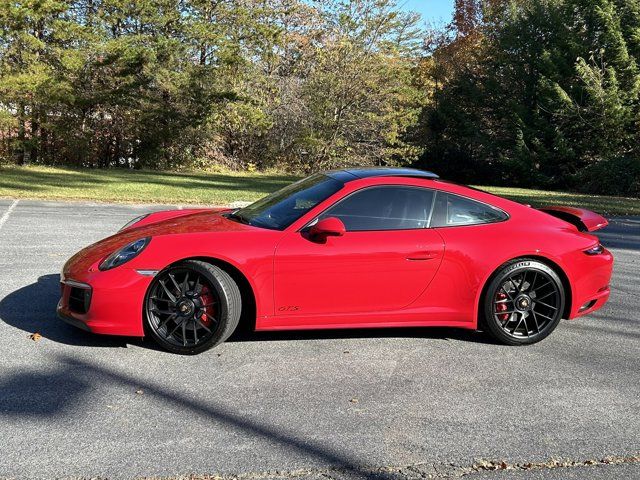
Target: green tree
pixel 551 91
pixel 171 83
pixel 361 93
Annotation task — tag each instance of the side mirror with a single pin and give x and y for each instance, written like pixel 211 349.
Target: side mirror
pixel 327 227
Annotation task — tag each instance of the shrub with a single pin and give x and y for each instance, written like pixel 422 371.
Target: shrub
pixel 617 176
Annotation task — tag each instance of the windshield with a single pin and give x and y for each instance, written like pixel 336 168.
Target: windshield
pixel 280 209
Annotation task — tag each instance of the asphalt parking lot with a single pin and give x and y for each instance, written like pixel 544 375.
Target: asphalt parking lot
pixel 356 404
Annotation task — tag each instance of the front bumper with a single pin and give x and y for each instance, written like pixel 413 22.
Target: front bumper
pixel 115 306
pixel 65 317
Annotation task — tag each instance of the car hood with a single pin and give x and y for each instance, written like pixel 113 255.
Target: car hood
pixel 173 222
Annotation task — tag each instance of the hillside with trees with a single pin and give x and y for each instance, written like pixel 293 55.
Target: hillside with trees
pixel 539 93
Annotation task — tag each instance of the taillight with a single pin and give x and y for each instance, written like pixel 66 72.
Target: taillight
pixel 595 250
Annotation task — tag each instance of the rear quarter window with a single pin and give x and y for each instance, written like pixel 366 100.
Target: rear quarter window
pixel 452 210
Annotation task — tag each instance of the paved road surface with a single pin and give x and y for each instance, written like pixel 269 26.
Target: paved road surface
pixel 341 405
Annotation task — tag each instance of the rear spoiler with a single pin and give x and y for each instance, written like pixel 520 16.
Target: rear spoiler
pixel 584 220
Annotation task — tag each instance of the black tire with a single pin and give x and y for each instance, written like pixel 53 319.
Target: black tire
pixel 513 306
pixel 192 307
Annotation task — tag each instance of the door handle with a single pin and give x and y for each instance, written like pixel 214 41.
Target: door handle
pixel 416 256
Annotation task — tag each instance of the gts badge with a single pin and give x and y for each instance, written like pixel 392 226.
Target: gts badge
pixel 289 308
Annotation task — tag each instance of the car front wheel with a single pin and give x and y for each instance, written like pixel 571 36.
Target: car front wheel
pixel 524 302
pixel 192 307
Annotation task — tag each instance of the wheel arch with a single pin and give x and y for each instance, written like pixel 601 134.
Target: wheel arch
pixel 566 284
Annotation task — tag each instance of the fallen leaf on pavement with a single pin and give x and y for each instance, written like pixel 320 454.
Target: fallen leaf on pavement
pixel 35 337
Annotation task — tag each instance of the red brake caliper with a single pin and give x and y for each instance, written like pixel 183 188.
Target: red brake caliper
pixel 502 307
pixel 207 299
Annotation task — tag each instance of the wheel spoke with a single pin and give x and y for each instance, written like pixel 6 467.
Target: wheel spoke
pixel 537 299
pixel 197 286
pixel 184 333
pixel 185 284
pixel 526 326
pixel 195 331
pixel 533 282
pixel 162 312
pixel 199 322
pixel 507 320
pixel 535 320
pixel 517 285
pixel 548 318
pixel 167 291
pixel 175 284
pixel 213 319
pixel 160 299
pixel 517 325
pixel 546 305
pixel 522 282
pixel 166 320
pixel 544 285
pixel 178 325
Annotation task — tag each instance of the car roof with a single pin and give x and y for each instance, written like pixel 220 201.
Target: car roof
pixel 350 174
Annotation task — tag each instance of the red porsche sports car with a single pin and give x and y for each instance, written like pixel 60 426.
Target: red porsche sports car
pixel 364 247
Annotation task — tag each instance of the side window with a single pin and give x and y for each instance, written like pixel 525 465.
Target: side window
pixel 451 210
pixel 384 208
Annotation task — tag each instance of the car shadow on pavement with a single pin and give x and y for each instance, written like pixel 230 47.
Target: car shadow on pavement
pixel 62 391
pixel 33 309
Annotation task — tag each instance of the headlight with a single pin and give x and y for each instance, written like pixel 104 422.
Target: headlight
pixel 125 254
pixel 134 221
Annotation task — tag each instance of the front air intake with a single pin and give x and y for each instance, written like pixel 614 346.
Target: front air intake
pixel 79 299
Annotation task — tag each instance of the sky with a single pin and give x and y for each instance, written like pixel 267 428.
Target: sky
pixel 433 11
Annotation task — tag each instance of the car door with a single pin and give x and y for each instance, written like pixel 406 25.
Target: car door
pixel 386 258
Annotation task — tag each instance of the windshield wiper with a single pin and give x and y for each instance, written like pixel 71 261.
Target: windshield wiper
pixel 237 217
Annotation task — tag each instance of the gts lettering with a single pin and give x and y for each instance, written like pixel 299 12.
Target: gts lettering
pixel 289 308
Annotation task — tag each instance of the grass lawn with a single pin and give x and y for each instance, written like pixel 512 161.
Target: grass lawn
pixel 223 188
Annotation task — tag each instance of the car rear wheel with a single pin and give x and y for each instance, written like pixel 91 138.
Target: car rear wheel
pixel 191 307
pixel 524 302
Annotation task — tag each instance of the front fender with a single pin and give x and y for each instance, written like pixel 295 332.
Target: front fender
pixel 251 255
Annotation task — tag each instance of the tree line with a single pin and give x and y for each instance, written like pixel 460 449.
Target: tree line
pixel 531 93
pixel 537 93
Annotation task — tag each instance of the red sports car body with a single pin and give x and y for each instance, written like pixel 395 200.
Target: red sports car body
pixel 347 249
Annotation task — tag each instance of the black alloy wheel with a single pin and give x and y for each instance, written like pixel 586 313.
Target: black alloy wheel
pixel 191 307
pixel 524 302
